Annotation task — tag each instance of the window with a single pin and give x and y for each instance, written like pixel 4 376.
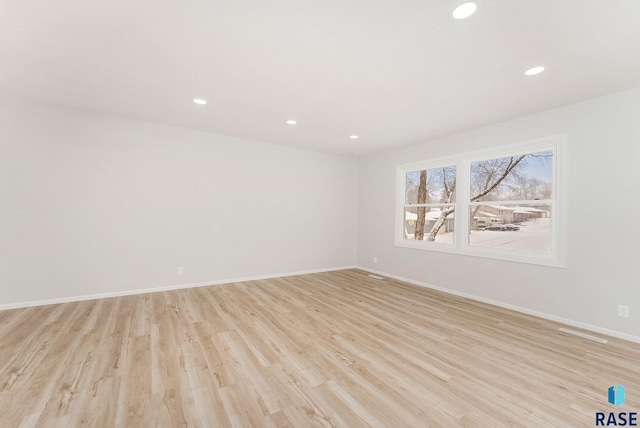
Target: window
pixel 429 201
pixel 500 203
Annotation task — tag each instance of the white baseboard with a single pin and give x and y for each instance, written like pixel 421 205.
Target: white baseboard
pixel 156 289
pixel 544 315
pixel 593 328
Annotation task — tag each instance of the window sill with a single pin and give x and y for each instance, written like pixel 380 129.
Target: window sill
pixel 550 260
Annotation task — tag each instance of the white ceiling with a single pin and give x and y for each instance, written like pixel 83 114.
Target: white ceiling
pixel 394 72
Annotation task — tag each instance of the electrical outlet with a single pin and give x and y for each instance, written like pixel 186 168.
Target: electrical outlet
pixel 375 260
pixel 623 311
pixel 180 270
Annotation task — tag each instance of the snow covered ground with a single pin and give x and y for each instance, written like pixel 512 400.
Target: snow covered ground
pixel 534 235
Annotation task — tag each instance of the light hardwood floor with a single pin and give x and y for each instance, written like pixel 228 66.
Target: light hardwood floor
pixel 328 349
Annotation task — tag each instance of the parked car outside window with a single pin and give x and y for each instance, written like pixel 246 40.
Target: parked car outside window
pixel 496 227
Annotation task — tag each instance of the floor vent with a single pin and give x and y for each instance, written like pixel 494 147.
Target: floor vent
pixel 586 336
pixel 376 277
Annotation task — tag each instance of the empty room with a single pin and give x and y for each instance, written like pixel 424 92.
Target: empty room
pixel 319 213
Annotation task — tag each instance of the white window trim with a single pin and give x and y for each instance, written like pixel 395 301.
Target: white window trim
pixel 557 256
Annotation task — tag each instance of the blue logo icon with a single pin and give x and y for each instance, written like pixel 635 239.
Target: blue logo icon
pixel 616 395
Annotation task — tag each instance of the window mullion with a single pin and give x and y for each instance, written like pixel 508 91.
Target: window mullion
pixel 507 203
pixel 462 209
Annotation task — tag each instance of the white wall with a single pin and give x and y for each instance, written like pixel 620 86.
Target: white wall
pixel 603 239
pixel 93 204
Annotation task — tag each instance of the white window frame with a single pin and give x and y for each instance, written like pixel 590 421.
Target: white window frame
pixel 556 258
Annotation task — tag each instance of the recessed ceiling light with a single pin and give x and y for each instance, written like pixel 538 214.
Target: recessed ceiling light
pixel 353 137
pixel 199 101
pixel 533 71
pixel 464 10
pixel 291 122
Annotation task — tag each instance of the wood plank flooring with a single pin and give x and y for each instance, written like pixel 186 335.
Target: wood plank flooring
pixel 330 349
